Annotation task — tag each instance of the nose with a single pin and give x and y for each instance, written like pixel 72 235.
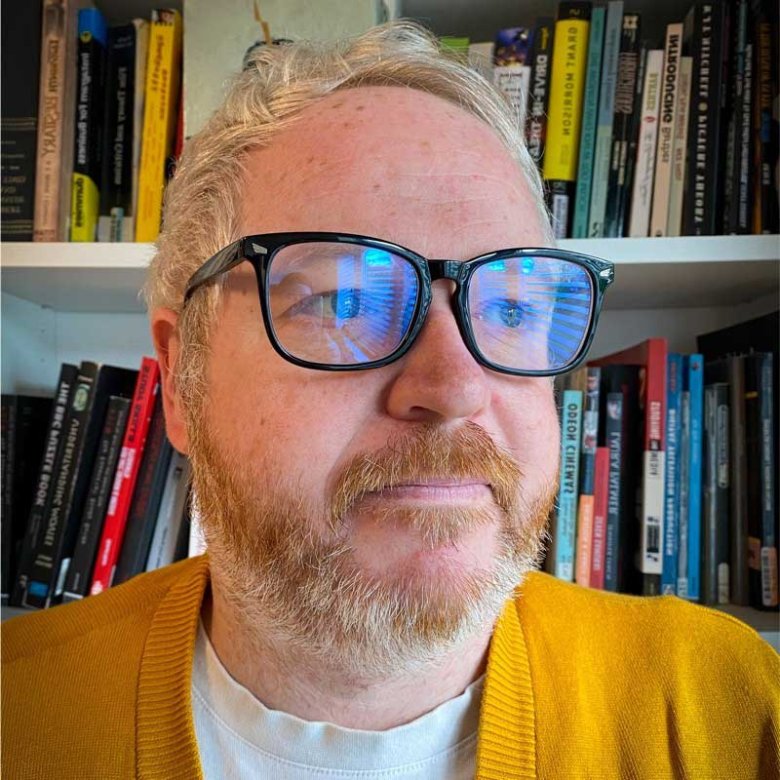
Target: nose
pixel 438 380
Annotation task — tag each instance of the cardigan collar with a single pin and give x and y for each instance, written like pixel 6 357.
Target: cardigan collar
pixel 166 746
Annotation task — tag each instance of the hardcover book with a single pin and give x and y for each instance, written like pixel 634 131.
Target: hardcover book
pixel 600 509
pixel 541 70
pixel 672 477
pixel 565 531
pixel 171 515
pixel 679 149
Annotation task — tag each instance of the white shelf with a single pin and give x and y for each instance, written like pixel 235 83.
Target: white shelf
pixel 651 273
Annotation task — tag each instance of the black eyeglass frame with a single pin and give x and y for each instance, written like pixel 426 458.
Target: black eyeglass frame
pixel 260 250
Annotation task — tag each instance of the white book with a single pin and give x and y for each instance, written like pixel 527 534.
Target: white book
pixel 514 81
pixel 666 121
pixel 642 195
pixel 481 58
pixel 674 219
pixel 171 514
pixel 197 544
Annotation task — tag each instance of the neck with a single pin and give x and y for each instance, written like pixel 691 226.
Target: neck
pixel 284 678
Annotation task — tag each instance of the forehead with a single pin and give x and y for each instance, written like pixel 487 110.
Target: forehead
pixel 394 163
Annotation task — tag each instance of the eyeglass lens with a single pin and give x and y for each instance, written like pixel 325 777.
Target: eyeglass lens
pixel 341 304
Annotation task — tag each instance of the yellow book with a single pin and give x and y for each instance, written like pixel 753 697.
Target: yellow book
pixel 566 91
pixel 163 73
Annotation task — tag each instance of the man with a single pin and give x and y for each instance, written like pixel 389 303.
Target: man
pixel 362 378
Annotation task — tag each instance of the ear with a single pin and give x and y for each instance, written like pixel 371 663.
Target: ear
pixel 168 347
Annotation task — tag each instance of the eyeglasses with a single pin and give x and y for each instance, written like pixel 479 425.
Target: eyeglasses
pixel 342 302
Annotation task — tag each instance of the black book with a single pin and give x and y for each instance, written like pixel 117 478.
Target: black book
pixel 116 190
pixel 44 486
pixel 706 41
pixel 766 122
pixel 24 421
pixel 614 433
pixel 539 96
pixel 85 422
pixel 715 536
pixel 624 125
pixel 147 495
pixel 624 204
pixel 20 67
pixel 621 571
pixel 98 494
pixel 737 213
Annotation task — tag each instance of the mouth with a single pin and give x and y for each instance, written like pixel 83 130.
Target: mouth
pixel 437 491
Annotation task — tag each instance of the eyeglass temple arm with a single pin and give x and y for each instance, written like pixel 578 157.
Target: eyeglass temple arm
pixel 220 263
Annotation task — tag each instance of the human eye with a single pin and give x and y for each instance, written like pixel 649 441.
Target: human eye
pixel 341 305
pixel 505 312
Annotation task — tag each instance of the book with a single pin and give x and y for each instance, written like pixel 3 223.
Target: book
pixel 163 75
pixel 512 69
pixel 565 531
pixel 20 68
pixel 23 437
pixel 625 125
pixel 644 170
pixel 125 82
pixel 765 197
pixel 570 51
pixel 715 564
pixel 650 356
pixel 79 574
pixel 141 407
pixel 197 545
pixel 704 33
pixel 44 484
pixel 56 119
pixel 665 151
pixel 679 149
pixel 672 477
pixel 590 110
pixel 541 70
pixel 172 509
pixel 87 154
pixel 601 157
pixel 600 509
pixel 145 505
pixel 480 59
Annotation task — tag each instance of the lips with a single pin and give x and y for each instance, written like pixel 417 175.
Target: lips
pixel 438 490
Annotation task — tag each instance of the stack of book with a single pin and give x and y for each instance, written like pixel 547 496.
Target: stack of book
pixel 637 138
pixel 90 117
pixel 93 489
pixel 668 464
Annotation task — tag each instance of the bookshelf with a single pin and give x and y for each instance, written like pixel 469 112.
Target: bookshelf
pixel 65 302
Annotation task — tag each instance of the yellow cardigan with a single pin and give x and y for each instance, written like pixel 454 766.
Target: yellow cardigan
pixel 580 684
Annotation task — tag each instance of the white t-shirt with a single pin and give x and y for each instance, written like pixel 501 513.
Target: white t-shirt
pixel 239 737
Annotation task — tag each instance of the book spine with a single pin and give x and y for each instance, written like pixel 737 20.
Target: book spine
pixel 601 157
pixel 590 108
pixel 738 531
pixel 672 481
pixel 49 567
pixel 584 536
pixel 126 474
pixel 49 149
pixel 664 152
pixel 541 69
pixel 162 83
pixel 567 498
pixel 679 148
pixel 695 378
pixel 513 81
pixel 685 439
pixel 80 571
pixel 642 194
pixel 116 188
pixel 614 437
pixel 566 93
pixel 87 153
pixel 197 544
pixel 600 509
pixel 627 109
pixel 769 581
pixel 704 32
pixel 146 499
pixel 765 219
pixel 21 72
pixel 172 507
pixel 745 134
pixel 139 106
pixel 8 419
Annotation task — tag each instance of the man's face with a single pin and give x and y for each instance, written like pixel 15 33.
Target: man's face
pixel 404 500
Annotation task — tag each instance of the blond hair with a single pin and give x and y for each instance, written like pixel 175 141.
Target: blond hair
pixel 203 201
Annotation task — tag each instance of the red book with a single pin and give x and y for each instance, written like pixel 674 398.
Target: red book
pixel 650 355
pixel 600 502
pixel 141 409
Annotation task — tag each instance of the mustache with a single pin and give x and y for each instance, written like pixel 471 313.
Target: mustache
pixel 431 452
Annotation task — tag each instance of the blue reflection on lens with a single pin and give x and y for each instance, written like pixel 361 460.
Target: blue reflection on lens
pixel 528 265
pixel 496 265
pixel 375 257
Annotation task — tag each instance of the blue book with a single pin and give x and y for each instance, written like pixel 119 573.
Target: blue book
pixel 601 159
pixel 693 376
pixel 568 493
pixel 682 514
pixel 590 108
pixel 674 364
